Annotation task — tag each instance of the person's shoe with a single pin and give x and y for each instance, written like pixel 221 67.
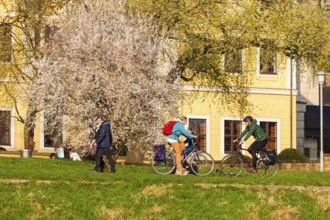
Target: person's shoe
pixel 251 170
pixel 113 171
pixel 92 171
pixel 181 172
pixel 178 172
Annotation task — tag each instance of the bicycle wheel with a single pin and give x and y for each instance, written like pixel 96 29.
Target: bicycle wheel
pixel 231 165
pixel 163 167
pixel 201 163
pixel 266 171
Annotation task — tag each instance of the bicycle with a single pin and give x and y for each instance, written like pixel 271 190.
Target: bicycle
pixel 233 164
pixel 200 162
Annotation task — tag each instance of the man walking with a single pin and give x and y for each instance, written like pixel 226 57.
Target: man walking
pixel 103 139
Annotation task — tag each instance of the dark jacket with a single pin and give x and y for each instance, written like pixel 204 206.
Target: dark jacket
pixel 255 130
pixel 103 135
pixel 189 141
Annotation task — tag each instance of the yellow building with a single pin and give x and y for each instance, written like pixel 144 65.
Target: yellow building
pixel 13 106
pixel 273 92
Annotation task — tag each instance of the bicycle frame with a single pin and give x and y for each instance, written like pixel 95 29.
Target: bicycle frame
pixel 239 154
pixel 200 163
pixel 172 152
pixel 233 164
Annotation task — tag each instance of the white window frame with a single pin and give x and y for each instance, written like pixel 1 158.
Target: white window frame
pixel 208 130
pixel 278 66
pixel 42 132
pixel 223 60
pixel 222 133
pixel 288 73
pixel 12 128
pixel 278 130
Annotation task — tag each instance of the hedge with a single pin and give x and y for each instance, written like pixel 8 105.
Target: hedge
pixel 292 155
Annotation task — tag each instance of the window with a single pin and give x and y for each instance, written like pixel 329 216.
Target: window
pixel 271 131
pixel 268 62
pixel 5 42
pixel 233 128
pixel 199 127
pixel 5 128
pixel 52 140
pixel 49 31
pixel 233 61
pixel 53 134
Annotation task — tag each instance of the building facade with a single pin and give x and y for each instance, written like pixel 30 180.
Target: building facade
pixel 273 93
pixel 18 43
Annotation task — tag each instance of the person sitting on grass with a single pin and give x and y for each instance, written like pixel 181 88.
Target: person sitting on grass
pixel 60 152
pixel 74 155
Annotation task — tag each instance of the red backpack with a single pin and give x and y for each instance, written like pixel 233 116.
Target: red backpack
pixel 167 129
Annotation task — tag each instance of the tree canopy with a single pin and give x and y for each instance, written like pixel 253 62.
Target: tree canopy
pixel 206 31
pixel 102 61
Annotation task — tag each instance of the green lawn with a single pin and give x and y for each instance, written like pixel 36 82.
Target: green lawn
pixel 55 189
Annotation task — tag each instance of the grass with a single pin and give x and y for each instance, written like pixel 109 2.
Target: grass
pixel 57 189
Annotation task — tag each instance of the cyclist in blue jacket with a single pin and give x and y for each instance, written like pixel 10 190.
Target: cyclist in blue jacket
pixel 174 139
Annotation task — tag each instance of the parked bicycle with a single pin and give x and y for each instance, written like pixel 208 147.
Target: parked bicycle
pixel 233 164
pixel 199 162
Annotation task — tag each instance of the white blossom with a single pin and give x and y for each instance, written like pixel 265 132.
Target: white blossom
pixel 105 61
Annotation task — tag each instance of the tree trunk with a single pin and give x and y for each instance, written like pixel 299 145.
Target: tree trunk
pixel 121 148
pixel 29 126
pixel 28 137
pixel 134 156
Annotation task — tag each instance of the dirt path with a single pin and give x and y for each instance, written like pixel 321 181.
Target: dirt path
pixel 203 185
pixel 269 187
pixel 17 181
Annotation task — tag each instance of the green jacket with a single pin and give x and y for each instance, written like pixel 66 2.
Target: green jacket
pixel 255 130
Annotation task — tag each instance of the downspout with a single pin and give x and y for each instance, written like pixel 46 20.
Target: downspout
pixel 291 102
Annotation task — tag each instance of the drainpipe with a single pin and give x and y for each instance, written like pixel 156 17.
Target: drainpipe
pixel 291 102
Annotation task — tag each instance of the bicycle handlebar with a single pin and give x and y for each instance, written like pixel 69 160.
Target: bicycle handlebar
pixel 194 141
pixel 238 146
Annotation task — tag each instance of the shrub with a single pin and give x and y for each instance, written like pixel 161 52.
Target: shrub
pixel 292 155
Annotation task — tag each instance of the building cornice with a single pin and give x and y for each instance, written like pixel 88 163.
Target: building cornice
pixel 268 91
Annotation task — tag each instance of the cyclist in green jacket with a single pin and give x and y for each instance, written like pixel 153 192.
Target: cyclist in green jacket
pixel 261 140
